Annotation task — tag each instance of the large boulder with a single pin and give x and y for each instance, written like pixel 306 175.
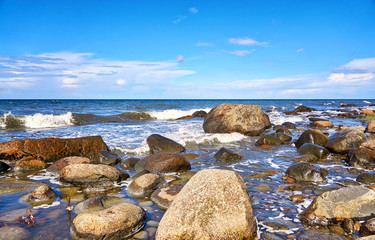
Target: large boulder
pixel 226 155
pixel 316 150
pixel 60 164
pixel 160 144
pixel 117 222
pixel 50 149
pixel 311 136
pixel 361 157
pixel 346 139
pixel 307 172
pixel 348 202
pixel 228 118
pixel 92 175
pixel 214 204
pixel 144 185
pixel 371 126
pixel 163 163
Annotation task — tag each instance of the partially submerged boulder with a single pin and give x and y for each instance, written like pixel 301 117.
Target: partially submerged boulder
pixel 214 204
pixel 117 222
pixel 160 144
pixel 163 163
pixel 346 139
pixel 226 155
pixel 61 163
pixel 42 194
pixel 227 118
pixel 312 136
pixel 307 172
pixel 361 157
pixel 96 203
pixel 316 150
pixel 50 149
pixel 304 109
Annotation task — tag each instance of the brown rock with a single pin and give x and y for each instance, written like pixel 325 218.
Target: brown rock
pixel 50 149
pixel 160 144
pixel 226 155
pixel 214 204
pixel 346 139
pixel 163 163
pixel 322 124
pixel 144 185
pixel 361 157
pixel 29 163
pixel 163 197
pixel 130 162
pixel 42 194
pixel 312 136
pixel 290 113
pixel 228 118
pixel 371 127
pixel 60 164
pixel 369 144
pixel 367 112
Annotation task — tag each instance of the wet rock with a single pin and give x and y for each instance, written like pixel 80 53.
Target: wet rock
pixel 42 194
pixel 291 113
pixel 29 163
pixel 316 150
pixel 348 105
pixel 106 157
pixel 144 185
pixel 117 222
pixel 163 197
pixel 226 155
pixel 199 114
pixel 367 177
pixel 307 172
pixel 12 186
pixel 307 158
pixel 130 163
pixel 284 130
pixel 4 167
pixel 368 227
pixel 214 204
pixel 371 237
pixel 14 233
pixel 336 229
pixel 321 234
pixel 50 149
pixel 228 118
pixel 348 226
pixel 92 175
pixel 160 144
pixel 163 163
pixel 322 124
pixel 347 202
pixel 312 136
pixel 371 127
pixel 96 203
pixel 273 139
pixel 315 119
pixel 367 112
pixel 304 109
pixel 289 125
pixel 60 164
pixel 346 139
pixel 361 157
pixel 369 144
pixel 190 156
pixel 12 216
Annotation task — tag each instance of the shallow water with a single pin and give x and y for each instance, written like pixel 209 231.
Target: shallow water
pixel 261 169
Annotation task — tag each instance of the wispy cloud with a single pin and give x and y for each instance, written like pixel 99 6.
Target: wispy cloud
pixel 193 10
pixel 364 64
pixel 246 42
pixel 180 58
pixel 179 19
pixel 241 53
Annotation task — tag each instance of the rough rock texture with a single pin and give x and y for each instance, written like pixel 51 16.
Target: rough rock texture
pixel 367 112
pixel 361 157
pixel 316 150
pixel 199 114
pixel 144 185
pixel 60 164
pixel 96 203
pixel 268 139
pixel 368 227
pixel 307 172
pixel 214 204
pixel 367 177
pixel 106 157
pixel 92 175
pixel 347 202
pixel 371 127
pixel 50 149
pixel 369 144
pixel 160 144
pixel 163 163
pixel 29 163
pixel 346 139
pixel 312 136
pixel 116 222
pixel 163 197
pixel 42 194
pixel 14 233
pixel 226 155
pixel 228 118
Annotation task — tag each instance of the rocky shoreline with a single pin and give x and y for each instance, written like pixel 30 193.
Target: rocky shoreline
pixel 209 204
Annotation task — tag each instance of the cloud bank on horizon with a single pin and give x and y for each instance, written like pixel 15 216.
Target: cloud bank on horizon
pixel 188 51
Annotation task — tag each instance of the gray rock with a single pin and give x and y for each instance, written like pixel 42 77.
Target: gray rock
pixel 367 177
pixel 316 150
pixel 361 157
pixel 163 197
pixel 306 172
pixel 226 155
pixel 214 204
pixel 163 163
pixel 144 185
pixel 106 157
pixel 160 144
pixel 199 114
pixel 346 139
pixel 312 136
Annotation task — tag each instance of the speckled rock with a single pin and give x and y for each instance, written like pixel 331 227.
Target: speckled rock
pixel 144 185
pixel 163 197
pixel 346 139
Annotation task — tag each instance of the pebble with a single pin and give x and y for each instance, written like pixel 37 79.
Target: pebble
pixel 141 235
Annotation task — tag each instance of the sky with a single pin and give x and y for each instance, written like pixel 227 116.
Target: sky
pixel 187 49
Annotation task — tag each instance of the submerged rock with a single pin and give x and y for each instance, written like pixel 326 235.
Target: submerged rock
pixel 92 175
pixel 144 185
pixel 228 118
pixel 226 155
pixel 60 164
pixel 346 139
pixel 14 233
pixel 367 177
pixel 50 149
pixel 42 194
pixel 199 114
pixel 361 157
pixel 160 144
pixel 106 157
pixel 214 204
pixel 289 125
pixel 96 203
pixel 304 109
pixel 163 197
pixel 307 172
pixel 316 150
pixel 311 136
pixel 163 163
pixel 117 222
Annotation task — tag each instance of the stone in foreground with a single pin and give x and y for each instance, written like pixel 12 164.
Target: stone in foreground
pixel 228 118
pixel 160 144
pixel 117 222
pixel 214 204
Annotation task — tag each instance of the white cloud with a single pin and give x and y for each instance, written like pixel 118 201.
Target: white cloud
pixel 179 19
pixel 300 91
pixel 241 53
pixel 193 10
pixel 246 41
pixel 364 64
pixel 350 78
pixel 180 58
pixel 121 81
pixel 300 50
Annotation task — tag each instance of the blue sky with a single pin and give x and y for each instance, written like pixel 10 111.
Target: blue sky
pixel 187 49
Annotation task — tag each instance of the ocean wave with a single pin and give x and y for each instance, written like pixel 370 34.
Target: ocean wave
pixel 277 118
pixel 171 114
pixel 38 120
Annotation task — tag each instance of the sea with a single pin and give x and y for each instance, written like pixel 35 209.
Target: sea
pixel 125 125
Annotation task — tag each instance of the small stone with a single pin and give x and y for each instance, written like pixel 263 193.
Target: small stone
pixel 297 198
pixel 141 235
pixel 42 194
pixel 263 188
pixel 226 155
pixel 336 229
pixel 144 185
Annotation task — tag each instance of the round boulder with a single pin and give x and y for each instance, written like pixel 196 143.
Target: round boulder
pixel 316 150
pixel 226 155
pixel 117 222
pixel 163 163
pixel 361 157
pixel 346 139
pixel 307 172
pixel 60 164
pixel 214 204
pixel 160 144
pixel 311 136
pixel 144 185
pixel 228 118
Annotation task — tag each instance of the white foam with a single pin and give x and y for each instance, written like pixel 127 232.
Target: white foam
pixel 366 101
pixel 39 120
pixel 172 114
pixel 277 118
pixel 54 204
